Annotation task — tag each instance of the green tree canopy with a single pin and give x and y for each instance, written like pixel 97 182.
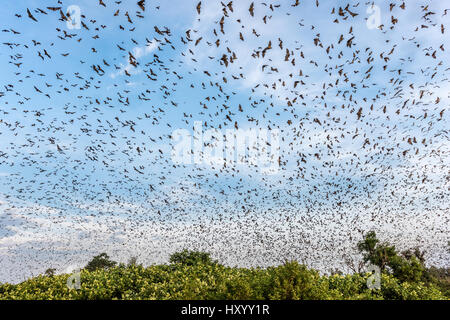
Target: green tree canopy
pixel 190 258
pixel 102 261
pixel 50 272
pixel 406 266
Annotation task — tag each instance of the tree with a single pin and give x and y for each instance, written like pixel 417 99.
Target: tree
pixel 50 272
pixel 355 265
pixel 376 253
pixel 133 261
pixel 407 266
pixel 441 276
pixel 101 261
pixel 191 258
pixel 408 254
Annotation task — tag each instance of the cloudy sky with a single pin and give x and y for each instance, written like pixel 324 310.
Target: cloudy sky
pixel 359 97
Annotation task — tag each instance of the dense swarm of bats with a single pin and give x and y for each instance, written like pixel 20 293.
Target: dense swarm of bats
pixel 363 122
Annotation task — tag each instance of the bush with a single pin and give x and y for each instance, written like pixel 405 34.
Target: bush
pixel 191 258
pixel 193 275
pixel 293 281
pixel 101 261
pixel 214 281
pixel 409 266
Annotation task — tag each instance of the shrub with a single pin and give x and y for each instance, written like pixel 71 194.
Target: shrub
pixel 101 261
pixel 190 258
pixel 214 281
pixel 193 275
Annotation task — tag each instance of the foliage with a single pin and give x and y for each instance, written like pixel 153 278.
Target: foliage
pixel 214 281
pixel 441 277
pixel 191 258
pixel 194 275
pixel 406 266
pixel 102 261
pixel 133 261
pixel 374 252
pixel 50 272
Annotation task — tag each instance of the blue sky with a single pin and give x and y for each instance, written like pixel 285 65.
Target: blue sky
pixel 62 206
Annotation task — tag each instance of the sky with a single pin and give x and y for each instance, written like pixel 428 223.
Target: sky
pixel 360 112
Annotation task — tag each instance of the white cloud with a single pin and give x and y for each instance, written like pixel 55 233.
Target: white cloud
pixel 138 53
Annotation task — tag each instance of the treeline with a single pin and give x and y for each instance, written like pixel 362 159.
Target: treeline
pixel 194 275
